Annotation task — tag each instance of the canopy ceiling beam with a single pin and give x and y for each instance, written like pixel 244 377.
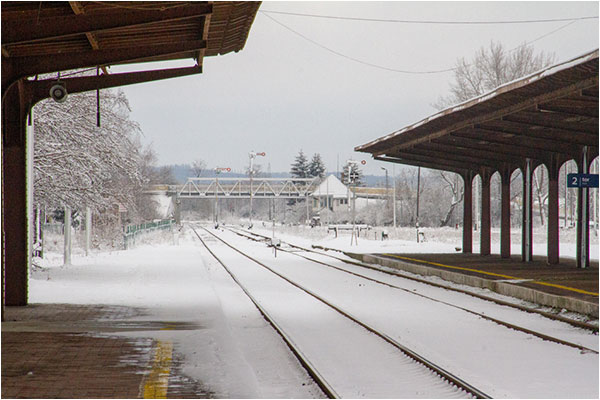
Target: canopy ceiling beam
pixel 570 111
pixel 413 138
pixel 542 145
pixel 454 157
pixel 33 65
pixel 15 32
pixel 398 160
pixel 552 134
pixel 441 163
pixel 40 89
pixel 487 152
pixel 478 145
pixel 577 100
pixel 554 120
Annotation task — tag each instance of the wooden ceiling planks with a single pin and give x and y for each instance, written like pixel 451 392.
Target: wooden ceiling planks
pixel 58 29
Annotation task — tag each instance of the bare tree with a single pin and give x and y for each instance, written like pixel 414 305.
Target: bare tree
pixel 492 67
pixel 457 196
pixel 197 167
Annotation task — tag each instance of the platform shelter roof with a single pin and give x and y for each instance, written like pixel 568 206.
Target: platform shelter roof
pixel 549 117
pixel 54 36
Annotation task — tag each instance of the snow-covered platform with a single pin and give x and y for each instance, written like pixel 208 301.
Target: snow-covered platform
pixel 562 286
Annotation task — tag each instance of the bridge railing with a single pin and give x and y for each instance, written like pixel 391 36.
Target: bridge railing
pixel 132 232
pixel 244 187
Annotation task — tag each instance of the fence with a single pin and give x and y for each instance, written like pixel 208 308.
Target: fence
pixel 133 232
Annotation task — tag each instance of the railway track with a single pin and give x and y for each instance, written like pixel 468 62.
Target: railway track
pixel 253 236
pixel 417 367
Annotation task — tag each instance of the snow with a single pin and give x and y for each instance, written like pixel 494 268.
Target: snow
pixel 438 240
pixel 235 353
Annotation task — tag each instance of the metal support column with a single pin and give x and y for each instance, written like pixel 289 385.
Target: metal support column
pixel 505 215
pixel 527 222
pixel 583 216
pixel 553 250
pixel 486 232
pixel 468 212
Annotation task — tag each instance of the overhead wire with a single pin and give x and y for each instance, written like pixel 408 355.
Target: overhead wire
pixel 404 71
pixel 442 22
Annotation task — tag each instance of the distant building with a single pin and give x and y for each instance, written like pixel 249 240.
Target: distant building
pixel 340 197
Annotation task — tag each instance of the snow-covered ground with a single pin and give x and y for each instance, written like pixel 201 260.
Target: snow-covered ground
pixel 236 353
pixel 403 240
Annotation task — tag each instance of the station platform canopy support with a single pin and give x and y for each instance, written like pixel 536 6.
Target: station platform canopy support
pixel 52 37
pixel 549 118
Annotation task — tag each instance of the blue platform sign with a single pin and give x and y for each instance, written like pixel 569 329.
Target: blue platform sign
pixel 582 180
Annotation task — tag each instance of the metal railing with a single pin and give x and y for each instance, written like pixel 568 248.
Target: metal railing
pixel 246 187
pixel 132 232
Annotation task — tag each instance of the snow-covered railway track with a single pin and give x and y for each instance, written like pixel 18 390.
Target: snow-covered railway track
pixel 255 236
pixel 376 370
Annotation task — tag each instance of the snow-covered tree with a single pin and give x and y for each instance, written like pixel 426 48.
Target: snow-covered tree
pixel 316 168
pixel 79 164
pixel 300 167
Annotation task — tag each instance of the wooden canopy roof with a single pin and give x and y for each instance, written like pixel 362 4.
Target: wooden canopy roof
pixel 44 37
pixel 547 116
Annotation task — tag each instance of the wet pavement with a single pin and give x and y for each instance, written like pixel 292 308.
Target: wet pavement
pixel 70 351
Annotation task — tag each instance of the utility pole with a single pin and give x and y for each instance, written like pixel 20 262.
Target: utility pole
pixel 387 195
pixel 327 188
pixel 352 177
pixel 218 170
pixel 252 156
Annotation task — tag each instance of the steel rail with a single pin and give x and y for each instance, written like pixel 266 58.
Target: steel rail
pixel 487 317
pixel 312 371
pixel 549 315
pixel 444 374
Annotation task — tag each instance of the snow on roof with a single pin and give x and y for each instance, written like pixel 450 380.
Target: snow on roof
pixel 333 186
pixel 553 69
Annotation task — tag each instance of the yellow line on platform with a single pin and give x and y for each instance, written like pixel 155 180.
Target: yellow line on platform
pixel 157 382
pixel 490 273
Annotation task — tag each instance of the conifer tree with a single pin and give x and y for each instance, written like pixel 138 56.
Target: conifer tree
pixel 316 168
pixel 300 168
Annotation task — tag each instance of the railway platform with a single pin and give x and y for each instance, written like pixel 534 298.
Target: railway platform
pixel 561 286
pixel 73 351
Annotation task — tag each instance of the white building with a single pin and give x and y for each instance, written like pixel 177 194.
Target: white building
pixel 340 198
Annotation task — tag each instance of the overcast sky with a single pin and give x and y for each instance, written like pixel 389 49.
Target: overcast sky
pixel 282 93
